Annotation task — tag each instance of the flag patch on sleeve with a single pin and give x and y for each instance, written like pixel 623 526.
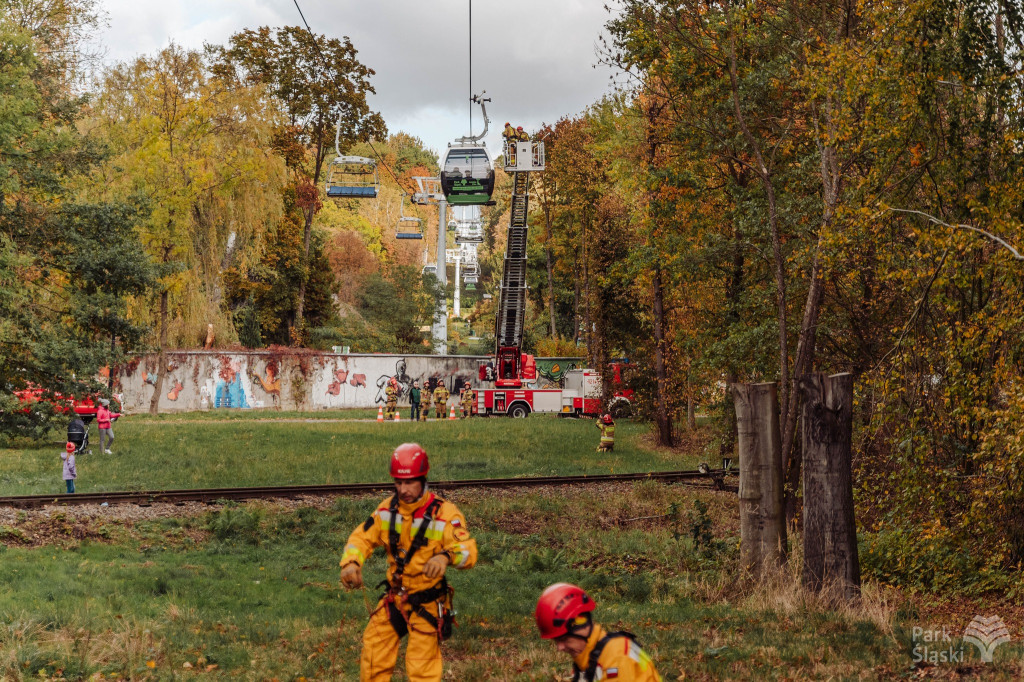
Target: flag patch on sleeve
pixel 612 672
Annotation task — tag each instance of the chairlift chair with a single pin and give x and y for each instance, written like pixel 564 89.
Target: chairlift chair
pixel 470 233
pixel 409 227
pixel 351 177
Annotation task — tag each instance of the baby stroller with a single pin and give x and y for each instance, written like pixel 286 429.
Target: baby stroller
pixel 78 433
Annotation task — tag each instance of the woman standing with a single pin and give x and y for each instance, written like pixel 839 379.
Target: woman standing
pixel 103 419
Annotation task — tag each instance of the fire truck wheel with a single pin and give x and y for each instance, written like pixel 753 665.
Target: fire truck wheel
pixel 518 411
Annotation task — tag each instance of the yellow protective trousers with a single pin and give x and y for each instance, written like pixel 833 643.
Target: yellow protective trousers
pixel 381 640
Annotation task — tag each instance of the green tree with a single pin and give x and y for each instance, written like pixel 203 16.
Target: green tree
pixel 322 88
pixel 67 266
pixel 199 150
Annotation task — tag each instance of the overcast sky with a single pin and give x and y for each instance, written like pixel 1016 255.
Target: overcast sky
pixel 536 67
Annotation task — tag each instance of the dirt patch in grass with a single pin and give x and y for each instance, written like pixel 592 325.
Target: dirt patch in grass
pixel 688 442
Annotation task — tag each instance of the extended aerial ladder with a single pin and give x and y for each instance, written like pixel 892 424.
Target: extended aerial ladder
pixel 521 158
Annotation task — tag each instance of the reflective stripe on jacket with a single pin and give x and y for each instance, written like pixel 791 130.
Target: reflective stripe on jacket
pixel 447 533
pixel 621 659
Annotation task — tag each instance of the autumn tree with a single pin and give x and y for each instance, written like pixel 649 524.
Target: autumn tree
pixel 199 151
pixel 321 87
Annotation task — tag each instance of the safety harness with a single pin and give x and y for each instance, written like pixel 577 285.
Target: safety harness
pixel 587 675
pixel 440 593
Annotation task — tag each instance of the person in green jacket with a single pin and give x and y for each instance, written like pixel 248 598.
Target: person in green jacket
pixel 414 401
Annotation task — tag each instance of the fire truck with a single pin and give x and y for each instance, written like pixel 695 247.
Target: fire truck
pixel 512 369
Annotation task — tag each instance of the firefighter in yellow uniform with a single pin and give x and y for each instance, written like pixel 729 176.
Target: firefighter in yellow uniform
pixel 509 133
pixel 391 398
pixel 441 400
pixel 607 427
pixel 423 535
pixel 427 397
pixel 467 401
pixel 563 614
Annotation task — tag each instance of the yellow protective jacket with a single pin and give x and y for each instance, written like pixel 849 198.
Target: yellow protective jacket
pixel 620 659
pixel 441 394
pixel 607 432
pixel 446 534
pixel 391 394
pixel 467 397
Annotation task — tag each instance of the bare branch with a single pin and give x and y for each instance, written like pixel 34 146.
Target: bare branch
pixel 1016 254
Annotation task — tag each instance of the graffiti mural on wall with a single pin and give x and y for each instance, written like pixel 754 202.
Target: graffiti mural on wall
pixel 232 387
pixel 198 380
pixel 551 370
pixel 400 375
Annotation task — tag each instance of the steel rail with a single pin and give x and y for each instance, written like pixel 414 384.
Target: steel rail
pixel 147 497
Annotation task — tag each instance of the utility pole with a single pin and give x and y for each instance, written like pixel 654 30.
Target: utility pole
pixel 430 191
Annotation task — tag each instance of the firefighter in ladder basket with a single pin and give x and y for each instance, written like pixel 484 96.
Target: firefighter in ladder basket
pixel 563 614
pixel 423 535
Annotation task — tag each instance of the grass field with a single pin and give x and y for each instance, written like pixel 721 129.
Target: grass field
pixel 205 452
pixel 250 592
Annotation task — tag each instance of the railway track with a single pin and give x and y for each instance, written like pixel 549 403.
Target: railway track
pixel 714 479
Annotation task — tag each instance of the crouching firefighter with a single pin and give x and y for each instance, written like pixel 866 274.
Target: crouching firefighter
pixel 423 535
pixel 563 614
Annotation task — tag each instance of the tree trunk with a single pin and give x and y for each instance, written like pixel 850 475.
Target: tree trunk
pixel 733 292
pixel 158 387
pixel 831 564
pixel 662 415
pixel 691 413
pixel 804 364
pixel 576 306
pixel 765 175
pixel 551 292
pixel 805 349
pixel 110 363
pixel 550 264
pixel 300 305
pixel 763 541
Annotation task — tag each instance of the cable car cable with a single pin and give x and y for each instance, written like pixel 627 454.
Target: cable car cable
pixel 470 67
pixel 323 60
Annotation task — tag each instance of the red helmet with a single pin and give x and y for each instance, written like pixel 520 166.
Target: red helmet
pixel 519 127
pixel 607 419
pixel 70 447
pixel 558 609
pixel 393 381
pixel 408 461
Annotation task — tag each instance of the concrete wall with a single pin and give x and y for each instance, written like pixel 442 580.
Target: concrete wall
pixel 196 380
pixel 296 379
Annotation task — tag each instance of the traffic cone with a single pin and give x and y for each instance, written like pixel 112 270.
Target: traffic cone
pixel 397 418
pixel 451 414
pixel 380 413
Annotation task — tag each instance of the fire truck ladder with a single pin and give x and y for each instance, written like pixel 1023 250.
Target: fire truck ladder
pixel 512 306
